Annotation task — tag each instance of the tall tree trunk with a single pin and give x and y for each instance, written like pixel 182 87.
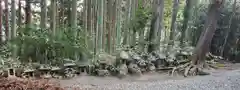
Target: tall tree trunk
pixel 229 26
pixel 88 24
pixel 6 20
pixel 74 21
pixel 19 13
pixel 127 22
pixel 69 4
pixel 186 15
pixel 89 12
pixel 53 16
pixel 74 14
pixel 28 12
pixel 13 19
pixel 109 24
pixel 100 23
pixel 156 25
pixel 13 26
pixel 198 58
pixel 105 24
pixel 173 23
pixel 114 6
pixel 118 23
pixel 43 14
pixel 1 31
pixel 85 22
pixel 132 31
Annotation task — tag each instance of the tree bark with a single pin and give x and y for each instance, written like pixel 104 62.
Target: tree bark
pixel 43 14
pixel 186 15
pixel 173 23
pixel 19 13
pixel 1 31
pixel 203 44
pixel 28 12
pixel 156 25
pixel 13 19
pixel 74 14
pixel 229 26
pixel 13 27
pixel 53 16
pixel 6 20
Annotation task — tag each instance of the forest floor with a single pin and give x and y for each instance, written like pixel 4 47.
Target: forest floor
pixel 91 81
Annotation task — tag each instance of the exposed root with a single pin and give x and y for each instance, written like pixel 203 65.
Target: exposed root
pixel 186 72
pixel 194 70
pixel 179 68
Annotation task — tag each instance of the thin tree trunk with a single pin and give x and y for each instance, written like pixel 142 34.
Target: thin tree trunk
pixel 114 25
pixel 156 25
pixel 43 14
pixel 132 31
pixel 1 31
pixel 69 13
pixel 88 23
pixel 13 26
pixel 118 24
pixel 85 22
pixel 13 18
pixel 105 23
pixel 53 16
pixel 74 14
pixel 74 21
pixel 19 13
pixel 173 23
pixel 126 23
pixel 109 24
pixel 229 26
pixel 6 20
pixel 100 23
pixel 28 12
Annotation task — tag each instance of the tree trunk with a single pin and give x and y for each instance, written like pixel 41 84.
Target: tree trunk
pixel 1 31
pixel 118 22
pixel 19 13
pixel 74 14
pixel 173 23
pixel 127 22
pixel 109 25
pixel 229 26
pixel 13 18
pixel 69 14
pixel 53 16
pixel 202 47
pixel 28 12
pixel 156 25
pixel 6 20
pixel 114 6
pixel 100 24
pixel 43 14
pixel 186 15
pixel 85 23
pixel 13 27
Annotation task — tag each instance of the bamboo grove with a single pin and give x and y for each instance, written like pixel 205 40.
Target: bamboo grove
pixel 60 31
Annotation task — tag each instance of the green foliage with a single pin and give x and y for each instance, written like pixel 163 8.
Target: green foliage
pixel 41 46
pixel 142 16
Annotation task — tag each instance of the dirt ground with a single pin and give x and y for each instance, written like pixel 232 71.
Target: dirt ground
pixel 95 81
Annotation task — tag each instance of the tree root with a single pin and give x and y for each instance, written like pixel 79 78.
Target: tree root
pixel 189 69
pixel 195 70
pixel 179 68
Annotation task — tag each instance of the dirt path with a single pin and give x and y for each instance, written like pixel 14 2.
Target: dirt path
pixel 98 81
